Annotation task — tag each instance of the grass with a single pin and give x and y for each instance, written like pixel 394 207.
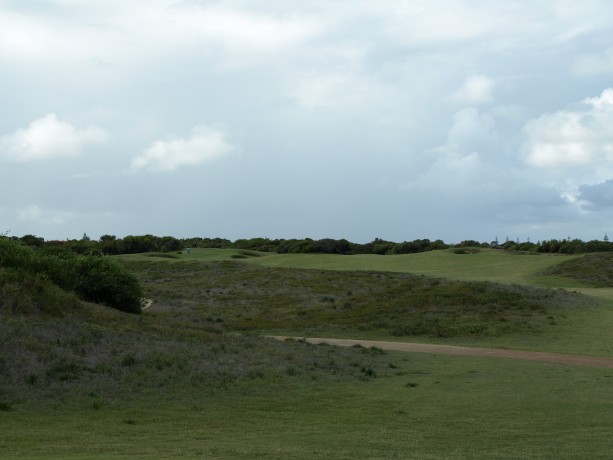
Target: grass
pixel 595 270
pixel 179 380
pixel 430 407
pixel 483 265
pixel 238 296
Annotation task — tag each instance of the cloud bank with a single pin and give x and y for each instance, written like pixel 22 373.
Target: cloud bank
pixel 576 142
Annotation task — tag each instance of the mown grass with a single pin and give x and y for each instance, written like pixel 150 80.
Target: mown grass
pixel 429 407
pixel 492 265
pixel 485 265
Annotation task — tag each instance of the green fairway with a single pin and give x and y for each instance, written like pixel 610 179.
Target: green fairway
pixel 486 265
pixel 430 407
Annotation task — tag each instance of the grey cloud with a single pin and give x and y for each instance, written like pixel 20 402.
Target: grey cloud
pixel 597 196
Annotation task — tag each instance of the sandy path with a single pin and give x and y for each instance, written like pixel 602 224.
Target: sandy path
pixel 465 351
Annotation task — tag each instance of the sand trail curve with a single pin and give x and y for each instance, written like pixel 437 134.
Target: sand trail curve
pixel 578 360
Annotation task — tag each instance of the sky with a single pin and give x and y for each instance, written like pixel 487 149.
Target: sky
pixel 356 119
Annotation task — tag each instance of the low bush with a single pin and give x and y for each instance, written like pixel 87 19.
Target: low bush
pixel 102 280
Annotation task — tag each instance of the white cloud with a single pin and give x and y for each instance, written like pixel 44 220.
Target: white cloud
pixel 477 89
pixel 577 142
pixel 240 29
pixel 48 137
pixel 205 144
pixel 603 102
pixel 129 34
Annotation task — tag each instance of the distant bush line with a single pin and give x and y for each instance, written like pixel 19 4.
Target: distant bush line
pixel 111 245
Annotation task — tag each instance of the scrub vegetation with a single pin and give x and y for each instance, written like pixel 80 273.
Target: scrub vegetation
pixel 594 270
pixel 46 272
pixel 246 297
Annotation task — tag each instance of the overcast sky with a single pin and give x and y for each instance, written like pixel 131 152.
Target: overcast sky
pixel 451 119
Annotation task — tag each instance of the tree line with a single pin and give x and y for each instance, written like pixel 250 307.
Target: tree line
pixel 131 244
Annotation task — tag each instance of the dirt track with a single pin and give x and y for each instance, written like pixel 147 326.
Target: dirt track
pixel 465 351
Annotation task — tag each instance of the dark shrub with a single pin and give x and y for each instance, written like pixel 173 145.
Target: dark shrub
pixel 103 280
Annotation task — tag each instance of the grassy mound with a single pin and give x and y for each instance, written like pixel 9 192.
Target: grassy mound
pixel 236 296
pixel 594 270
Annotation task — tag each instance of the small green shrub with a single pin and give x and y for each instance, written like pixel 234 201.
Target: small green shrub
pixel 103 280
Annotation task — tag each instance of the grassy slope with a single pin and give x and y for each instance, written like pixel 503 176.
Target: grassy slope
pixel 419 406
pixel 239 296
pixel 580 331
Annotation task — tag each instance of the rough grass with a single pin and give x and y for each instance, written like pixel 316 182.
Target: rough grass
pixel 594 270
pixel 234 296
pixel 115 356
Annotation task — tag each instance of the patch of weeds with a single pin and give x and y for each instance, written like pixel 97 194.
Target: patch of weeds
pixel 368 372
pixel 160 361
pixel 376 351
pixel 97 404
pixel 32 379
pixel 5 407
pixel 411 385
pixel 102 368
pixel 256 374
pixel 128 360
pixel 291 371
pixel 64 370
pixel 129 421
